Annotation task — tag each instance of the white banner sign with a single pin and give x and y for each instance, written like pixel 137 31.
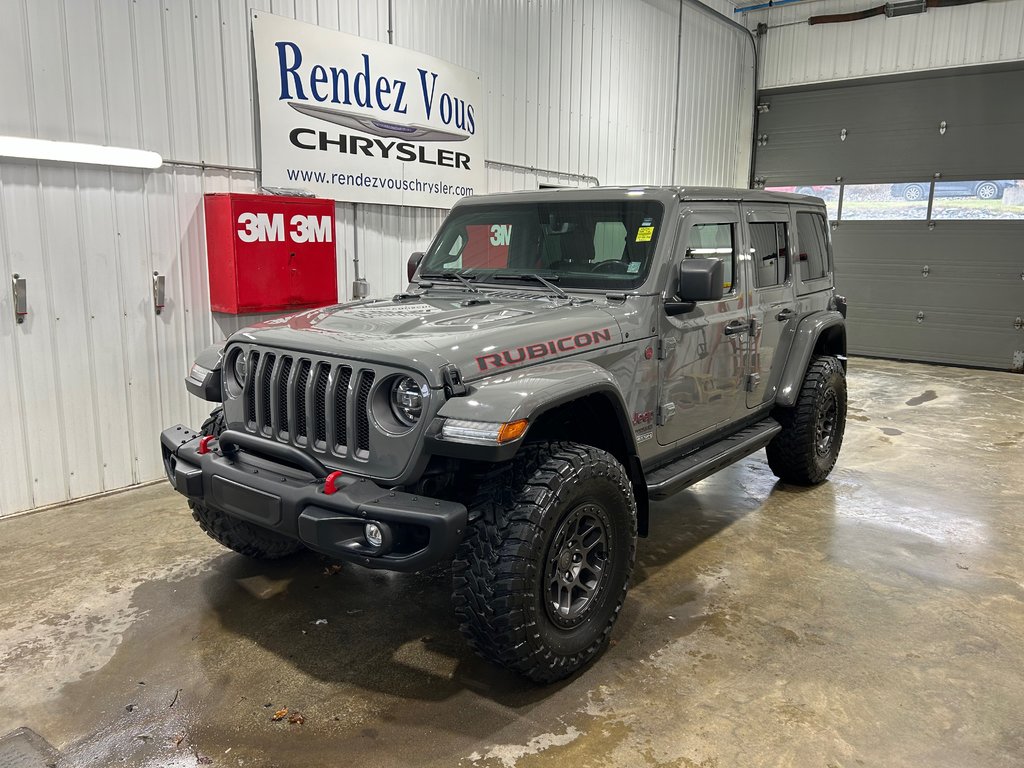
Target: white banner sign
pixel 362 121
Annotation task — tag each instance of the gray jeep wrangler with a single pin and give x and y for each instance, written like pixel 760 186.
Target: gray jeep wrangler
pixel 559 359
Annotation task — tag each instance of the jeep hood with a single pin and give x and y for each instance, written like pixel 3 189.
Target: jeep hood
pixel 478 333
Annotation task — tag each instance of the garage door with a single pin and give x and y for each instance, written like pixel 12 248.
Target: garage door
pixel 924 180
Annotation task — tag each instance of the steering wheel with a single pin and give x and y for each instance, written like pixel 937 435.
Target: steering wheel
pixel 611 267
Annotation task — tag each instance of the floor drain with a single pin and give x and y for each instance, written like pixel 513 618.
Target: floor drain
pixel 24 748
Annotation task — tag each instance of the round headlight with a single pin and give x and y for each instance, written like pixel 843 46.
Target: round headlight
pixel 240 368
pixel 406 401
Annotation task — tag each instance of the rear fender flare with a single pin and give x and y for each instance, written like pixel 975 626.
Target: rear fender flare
pixel 804 344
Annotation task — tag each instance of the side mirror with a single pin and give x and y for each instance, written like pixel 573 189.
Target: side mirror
pixel 414 263
pixel 699 280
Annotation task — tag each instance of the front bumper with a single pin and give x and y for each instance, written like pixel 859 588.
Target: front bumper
pixel 279 487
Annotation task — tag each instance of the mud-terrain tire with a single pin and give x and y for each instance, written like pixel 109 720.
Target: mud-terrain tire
pixel 541 575
pixel 245 538
pixel 806 449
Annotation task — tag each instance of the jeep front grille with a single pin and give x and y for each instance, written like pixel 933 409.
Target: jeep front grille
pixel 308 402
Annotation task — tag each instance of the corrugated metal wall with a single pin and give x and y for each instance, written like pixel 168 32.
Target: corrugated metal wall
pixel 794 53
pixel 581 87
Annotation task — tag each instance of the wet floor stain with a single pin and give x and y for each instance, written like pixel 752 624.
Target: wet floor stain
pixel 925 397
pixel 855 417
pixel 891 431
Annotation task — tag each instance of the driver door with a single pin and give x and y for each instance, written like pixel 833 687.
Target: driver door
pixel 703 353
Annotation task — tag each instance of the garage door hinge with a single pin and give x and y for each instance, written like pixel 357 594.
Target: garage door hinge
pixel 666 348
pixel 1019 323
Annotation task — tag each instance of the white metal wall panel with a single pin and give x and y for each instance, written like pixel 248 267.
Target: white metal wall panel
pixel 575 89
pixel 797 53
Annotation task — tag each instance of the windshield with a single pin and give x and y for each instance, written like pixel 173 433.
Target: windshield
pixel 603 245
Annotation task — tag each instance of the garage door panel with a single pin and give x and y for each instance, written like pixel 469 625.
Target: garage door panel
pixel 969 300
pixel 942 336
pixel 892 129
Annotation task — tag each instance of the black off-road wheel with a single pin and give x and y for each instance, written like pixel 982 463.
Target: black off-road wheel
pixel 541 575
pixel 806 449
pixel 244 538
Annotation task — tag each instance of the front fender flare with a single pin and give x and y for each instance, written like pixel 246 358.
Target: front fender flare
pixel 209 387
pixel 803 345
pixel 530 392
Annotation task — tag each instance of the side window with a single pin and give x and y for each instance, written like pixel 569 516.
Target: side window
pixel 714 241
pixel 771 253
pixel 812 261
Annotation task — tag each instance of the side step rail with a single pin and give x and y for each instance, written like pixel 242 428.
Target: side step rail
pixel 693 468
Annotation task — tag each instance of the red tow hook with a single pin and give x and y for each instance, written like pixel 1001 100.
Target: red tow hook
pixel 204 444
pixel 329 482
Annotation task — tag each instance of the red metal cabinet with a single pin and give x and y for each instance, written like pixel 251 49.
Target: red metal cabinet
pixel 268 253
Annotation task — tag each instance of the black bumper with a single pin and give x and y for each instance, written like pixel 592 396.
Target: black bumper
pixel 281 488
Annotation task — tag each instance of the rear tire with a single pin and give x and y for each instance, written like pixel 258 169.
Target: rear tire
pixel 244 538
pixel 987 190
pixel 541 575
pixel 806 449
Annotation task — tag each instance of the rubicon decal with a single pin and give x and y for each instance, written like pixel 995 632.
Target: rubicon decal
pixel 540 350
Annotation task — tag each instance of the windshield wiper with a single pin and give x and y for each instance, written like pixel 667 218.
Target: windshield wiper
pixel 533 276
pixel 448 274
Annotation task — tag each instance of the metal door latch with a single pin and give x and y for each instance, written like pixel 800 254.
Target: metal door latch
pixel 920 317
pixel 666 348
pixel 665 413
pixel 926 270
pixel 753 380
pixel 1018 323
pixel 159 295
pixel 19 292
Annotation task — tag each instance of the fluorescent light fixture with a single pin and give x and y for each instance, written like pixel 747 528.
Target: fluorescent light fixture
pixel 74 152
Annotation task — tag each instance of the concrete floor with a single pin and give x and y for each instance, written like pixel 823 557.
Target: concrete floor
pixel 875 620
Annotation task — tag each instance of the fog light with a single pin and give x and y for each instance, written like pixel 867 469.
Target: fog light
pixel 374 535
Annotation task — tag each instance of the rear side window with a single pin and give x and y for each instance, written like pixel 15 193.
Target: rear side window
pixel 771 252
pixel 714 241
pixel 812 261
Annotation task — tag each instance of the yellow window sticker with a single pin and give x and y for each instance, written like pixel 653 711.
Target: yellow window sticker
pixel 644 234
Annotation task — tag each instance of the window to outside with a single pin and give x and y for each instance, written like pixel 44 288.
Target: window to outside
pixel 984 199
pixel 886 201
pixel 771 252
pixel 600 245
pixel 812 261
pixel 714 241
pixel 827 192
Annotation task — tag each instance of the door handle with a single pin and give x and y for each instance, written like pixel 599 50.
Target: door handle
pixel 19 294
pixel 786 314
pixel 736 326
pixel 159 287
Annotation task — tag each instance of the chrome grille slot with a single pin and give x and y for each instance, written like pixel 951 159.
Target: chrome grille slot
pixel 250 386
pixel 301 401
pixel 264 411
pixel 342 379
pixel 362 412
pixel 283 394
pixel 323 373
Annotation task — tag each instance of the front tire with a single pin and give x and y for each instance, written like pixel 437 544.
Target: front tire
pixel 244 538
pixel 540 578
pixel 913 192
pixel 806 449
